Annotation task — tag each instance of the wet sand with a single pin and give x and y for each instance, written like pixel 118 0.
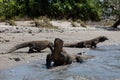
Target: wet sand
pixel 7 60
pixel 12 35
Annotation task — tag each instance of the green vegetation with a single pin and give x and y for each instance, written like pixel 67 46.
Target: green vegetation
pixel 57 9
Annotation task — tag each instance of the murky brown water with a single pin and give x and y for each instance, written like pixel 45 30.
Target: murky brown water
pixel 106 66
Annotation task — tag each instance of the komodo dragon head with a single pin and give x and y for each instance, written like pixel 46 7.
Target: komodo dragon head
pixel 102 38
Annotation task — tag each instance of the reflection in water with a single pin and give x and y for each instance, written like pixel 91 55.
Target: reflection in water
pixel 106 66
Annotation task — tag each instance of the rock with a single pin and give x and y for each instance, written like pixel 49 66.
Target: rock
pixel 16 59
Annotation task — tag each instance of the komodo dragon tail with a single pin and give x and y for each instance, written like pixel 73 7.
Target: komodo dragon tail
pixel 22 45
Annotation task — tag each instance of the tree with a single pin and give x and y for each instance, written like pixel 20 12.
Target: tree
pixel 75 9
pixel 111 8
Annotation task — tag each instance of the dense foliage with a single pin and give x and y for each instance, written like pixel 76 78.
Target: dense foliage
pixel 111 8
pixel 60 9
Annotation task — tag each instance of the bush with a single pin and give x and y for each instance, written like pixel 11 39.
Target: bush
pixel 60 9
pixel 11 22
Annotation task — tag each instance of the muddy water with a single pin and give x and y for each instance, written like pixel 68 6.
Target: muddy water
pixel 106 66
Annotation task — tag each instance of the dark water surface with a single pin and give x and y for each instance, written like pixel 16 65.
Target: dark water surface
pixel 106 66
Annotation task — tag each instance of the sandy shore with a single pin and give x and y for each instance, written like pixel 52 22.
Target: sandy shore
pixel 8 40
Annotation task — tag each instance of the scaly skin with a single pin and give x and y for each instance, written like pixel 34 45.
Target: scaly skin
pixel 87 44
pixel 33 46
pixel 60 56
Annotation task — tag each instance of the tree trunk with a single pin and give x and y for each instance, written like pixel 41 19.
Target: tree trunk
pixel 27 2
pixel 115 25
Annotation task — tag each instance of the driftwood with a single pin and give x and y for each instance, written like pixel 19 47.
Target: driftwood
pixel 88 43
pixel 60 57
pixel 115 25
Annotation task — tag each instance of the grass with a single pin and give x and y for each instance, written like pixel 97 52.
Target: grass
pixel 2 19
pixel 78 23
pixel 108 23
pixel 11 22
pixel 83 24
pixel 44 23
pixel 74 24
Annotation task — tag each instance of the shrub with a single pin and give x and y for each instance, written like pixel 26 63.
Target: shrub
pixel 45 23
pixel 11 22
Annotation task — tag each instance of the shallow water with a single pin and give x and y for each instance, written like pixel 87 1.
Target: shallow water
pixel 106 66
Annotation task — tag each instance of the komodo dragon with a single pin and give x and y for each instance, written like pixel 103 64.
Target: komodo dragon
pixel 88 43
pixel 33 46
pixel 60 56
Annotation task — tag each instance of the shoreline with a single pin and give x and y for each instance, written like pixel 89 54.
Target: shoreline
pixel 16 38
pixel 12 35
